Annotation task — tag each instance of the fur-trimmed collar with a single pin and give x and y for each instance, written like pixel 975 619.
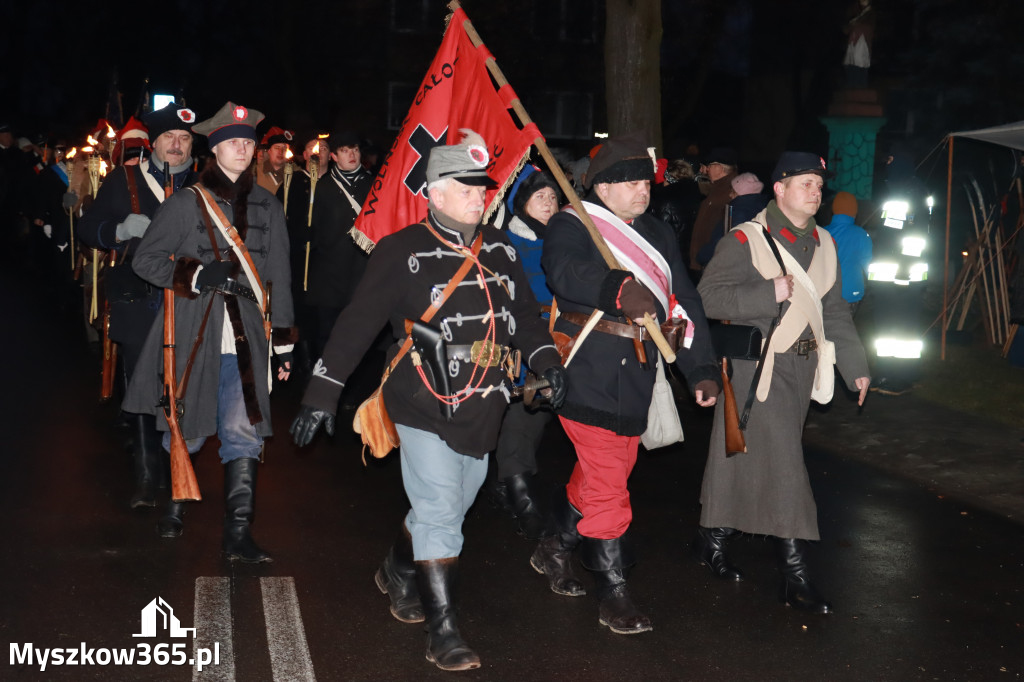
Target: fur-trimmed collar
pixel 520 229
pixel 236 194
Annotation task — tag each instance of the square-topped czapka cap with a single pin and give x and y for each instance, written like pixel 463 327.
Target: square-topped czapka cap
pixel 465 162
pixel 231 121
pixel 799 163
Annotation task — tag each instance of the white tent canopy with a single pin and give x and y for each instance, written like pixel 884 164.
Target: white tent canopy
pixel 1008 135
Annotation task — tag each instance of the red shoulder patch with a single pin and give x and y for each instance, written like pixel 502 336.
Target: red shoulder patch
pixel 740 235
pixel 784 232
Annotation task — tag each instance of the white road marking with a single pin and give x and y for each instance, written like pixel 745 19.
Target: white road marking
pixel 213 625
pixel 286 637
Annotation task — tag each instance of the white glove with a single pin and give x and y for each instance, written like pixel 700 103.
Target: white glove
pixel 133 226
pixel 48 231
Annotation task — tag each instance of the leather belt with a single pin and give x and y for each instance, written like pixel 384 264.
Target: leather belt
pixel 803 346
pixel 629 331
pixel 232 286
pixel 469 352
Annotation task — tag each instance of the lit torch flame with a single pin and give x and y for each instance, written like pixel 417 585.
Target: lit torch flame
pixel 103 168
pixel 71 154
pixel 87 150
pixel 110 131
pixel 323 136
pixel 92 140
pixel 288 154
pixel 316 147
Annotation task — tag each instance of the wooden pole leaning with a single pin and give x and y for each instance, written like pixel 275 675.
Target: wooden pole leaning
pixel 541 144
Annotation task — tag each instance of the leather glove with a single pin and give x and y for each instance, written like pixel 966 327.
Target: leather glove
pixel 214 274
pixel 709 387
pixel 308 422
pixel 558 379
pixel 134 225
pixel 635 299
pixel 70 200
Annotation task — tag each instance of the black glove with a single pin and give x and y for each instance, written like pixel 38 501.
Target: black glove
pixel 214 274
pixel 284 360
pixel 308 422
pixel 69 200
pixel 635 299
pixel 558 379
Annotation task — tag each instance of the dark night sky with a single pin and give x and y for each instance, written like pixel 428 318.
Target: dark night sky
pixel 950 63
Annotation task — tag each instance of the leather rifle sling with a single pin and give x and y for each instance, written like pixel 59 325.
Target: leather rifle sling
pixel 239 246
pixel 432 309
pixel 209 306
pixel 752 393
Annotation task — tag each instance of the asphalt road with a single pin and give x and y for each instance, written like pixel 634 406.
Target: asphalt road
pixel 925 586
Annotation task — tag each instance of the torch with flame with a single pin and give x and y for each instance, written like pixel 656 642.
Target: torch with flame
pixel 289 171
pixel 111 139
pixel 314 175
pixel 69 164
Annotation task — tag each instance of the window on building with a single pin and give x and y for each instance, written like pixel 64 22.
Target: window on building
pixel 399 100
pixel 564 115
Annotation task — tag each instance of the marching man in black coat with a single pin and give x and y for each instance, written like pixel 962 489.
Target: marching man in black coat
pixel 445 434
pixel 220 246
pixel 117 221
pixel 610 389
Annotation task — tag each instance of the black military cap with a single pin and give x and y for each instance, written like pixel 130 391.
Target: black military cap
pixel 799 163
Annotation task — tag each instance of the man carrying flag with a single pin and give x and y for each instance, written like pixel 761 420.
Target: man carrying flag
pixel 613 373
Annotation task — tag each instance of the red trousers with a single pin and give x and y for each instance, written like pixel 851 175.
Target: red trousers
pixel 597 487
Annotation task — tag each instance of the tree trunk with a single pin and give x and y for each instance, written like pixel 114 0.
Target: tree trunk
pixel 632 53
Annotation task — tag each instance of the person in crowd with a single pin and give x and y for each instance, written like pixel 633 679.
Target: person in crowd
pixel 532 201
pixel 765 490
pixel 447 410
pixel 612 375
pixel 116 222
pixel 222 248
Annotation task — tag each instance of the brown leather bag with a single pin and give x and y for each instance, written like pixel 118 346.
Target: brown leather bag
pixel 372 422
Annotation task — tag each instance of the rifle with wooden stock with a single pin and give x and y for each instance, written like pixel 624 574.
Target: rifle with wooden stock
pixel 109 347
pixel 735 443
pixel 184 486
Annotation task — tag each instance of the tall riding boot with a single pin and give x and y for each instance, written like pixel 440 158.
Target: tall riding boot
pixel 553 556
pixel 709 548
pixel 520 496
pixel 147 461
pixel 170 524
pixel 396 578
pixel 610 561
pixel 797 590
pixel 239 494
pixel 437 581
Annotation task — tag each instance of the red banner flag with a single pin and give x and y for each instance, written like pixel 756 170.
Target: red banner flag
pixel 457 92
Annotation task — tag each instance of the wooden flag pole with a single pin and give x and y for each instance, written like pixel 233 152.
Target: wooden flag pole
pixel 541 144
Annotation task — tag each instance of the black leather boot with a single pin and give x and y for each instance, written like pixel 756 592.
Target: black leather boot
pixel 171 524
pixel 436 580
pixel 709 548
pixel 396 578
pixel 610 561
pixel 147 456
pixel 797 590
pixel 520 499
pixel 553 556
pixel 239 494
